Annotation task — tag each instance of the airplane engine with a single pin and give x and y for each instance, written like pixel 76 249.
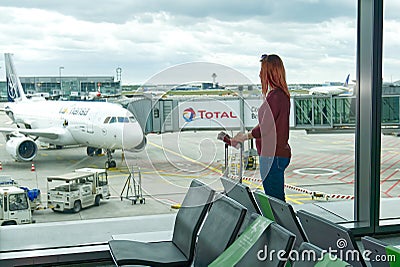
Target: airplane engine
pixel 21 148
pixel 141 146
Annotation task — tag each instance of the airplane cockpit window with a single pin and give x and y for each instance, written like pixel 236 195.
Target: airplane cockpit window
pixel 123 119
pixel 107 120
pixel 120 119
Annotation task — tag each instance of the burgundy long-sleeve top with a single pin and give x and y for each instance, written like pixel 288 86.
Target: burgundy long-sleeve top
pixel 272 131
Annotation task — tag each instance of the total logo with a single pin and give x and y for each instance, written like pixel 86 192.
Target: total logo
pixel 189 114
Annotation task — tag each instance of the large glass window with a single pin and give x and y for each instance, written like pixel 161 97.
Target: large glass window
pixel 88 86
pixel 315 39
pixel 390 143
pixel 321 174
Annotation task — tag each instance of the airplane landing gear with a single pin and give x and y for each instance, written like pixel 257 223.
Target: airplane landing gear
pixel 91 151
pixel 110 163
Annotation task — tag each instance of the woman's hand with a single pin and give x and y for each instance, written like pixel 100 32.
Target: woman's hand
pixel 240 137
pixel 237 139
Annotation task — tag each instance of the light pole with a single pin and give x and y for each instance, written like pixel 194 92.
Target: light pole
pixel 59 72
pixel 119 79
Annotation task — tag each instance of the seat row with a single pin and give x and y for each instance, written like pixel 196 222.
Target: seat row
pixel 241 228
pixel 313 231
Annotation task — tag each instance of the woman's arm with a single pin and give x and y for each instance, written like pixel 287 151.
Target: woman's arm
pixel 241 137
pixel 255 132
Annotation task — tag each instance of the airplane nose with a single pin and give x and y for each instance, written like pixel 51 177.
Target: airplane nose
pixel 133 136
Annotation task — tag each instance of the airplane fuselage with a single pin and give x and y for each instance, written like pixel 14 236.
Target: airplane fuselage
pixel 93 124
pixel 328 90
pixel 97 125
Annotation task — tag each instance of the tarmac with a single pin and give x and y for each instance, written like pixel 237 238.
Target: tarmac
pixel 320 163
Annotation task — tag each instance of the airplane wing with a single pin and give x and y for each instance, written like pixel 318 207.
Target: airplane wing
pixel 45 133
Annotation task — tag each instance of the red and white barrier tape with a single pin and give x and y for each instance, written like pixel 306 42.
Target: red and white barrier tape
pixel 341 196
pixel 299 189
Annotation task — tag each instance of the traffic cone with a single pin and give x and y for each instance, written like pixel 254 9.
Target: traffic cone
pixel 1 166
pixel 33 167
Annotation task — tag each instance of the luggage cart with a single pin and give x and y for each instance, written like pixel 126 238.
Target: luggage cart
pixel 236 161
pixel 234 164
pixel 132 188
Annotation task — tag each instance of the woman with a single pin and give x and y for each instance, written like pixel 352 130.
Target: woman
pixel 272 131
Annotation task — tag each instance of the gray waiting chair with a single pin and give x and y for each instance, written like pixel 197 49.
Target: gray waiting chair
pixel 258 246
pixel 219 230
pixel 176 252
pixel 377 258
pixel 263 203
pixel 308 259
pixel 285 216
pixel 330 236
pixel 276 238
pixel 242 194
pixel 309 255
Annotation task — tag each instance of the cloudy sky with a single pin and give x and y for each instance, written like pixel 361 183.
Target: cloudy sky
pixel 315 38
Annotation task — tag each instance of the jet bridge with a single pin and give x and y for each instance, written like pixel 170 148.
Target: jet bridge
pixel 195 114
pixel 310 112
pixel 329 112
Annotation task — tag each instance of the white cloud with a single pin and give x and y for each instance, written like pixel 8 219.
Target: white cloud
pixel 316 39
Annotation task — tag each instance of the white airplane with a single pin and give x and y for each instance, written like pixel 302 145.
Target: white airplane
pixel 344 89
pixel 97 125
pixel 92 95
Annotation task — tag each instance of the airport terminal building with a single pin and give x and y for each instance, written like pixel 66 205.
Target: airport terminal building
pixel 71 87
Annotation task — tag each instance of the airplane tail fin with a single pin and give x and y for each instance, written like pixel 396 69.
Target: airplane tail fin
pixel 15 92
pixel 98 93
pixel 346 83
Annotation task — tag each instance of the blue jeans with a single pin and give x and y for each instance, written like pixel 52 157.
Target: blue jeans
pixel 272 171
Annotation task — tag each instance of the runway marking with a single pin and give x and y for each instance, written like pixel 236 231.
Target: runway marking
pixel 339 159
pixel 186 158
pixel 178 175
pixel 258 186
pixel 389 176
pixel 390 166
pixel 294 200
pixel 343 178
pixel 288 198
pixel 322 171
pixel 304 198
pixel 387 159
pixel 314 163
pixel 299 194
pixel 344 170
pixel 323 159
pixel 390 188
pixel 328 161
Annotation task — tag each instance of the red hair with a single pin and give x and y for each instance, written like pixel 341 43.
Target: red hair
pixel 273 74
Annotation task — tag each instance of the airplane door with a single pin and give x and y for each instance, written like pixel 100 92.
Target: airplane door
pixel 156 117
pixel 89 126
pixel 162 116
pixel 167 116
